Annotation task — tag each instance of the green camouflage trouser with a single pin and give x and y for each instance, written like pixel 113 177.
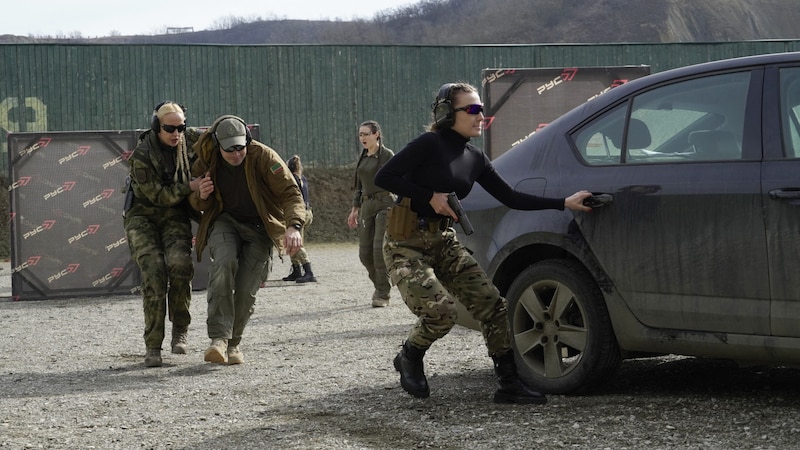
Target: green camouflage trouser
pixel 371 227
pixel 162 248
pixel 432 270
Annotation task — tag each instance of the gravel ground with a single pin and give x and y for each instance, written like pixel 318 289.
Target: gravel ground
pixel 318 375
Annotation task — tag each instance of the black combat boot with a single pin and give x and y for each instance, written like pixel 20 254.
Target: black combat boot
pixel 295 273
pixel 512 388
pixel 412 374
pixel 308 276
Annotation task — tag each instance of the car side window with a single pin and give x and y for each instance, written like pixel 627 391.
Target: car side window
pixel 790 111
pixel 701 119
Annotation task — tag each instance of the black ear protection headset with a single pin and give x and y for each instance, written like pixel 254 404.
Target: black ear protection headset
pixel 155 124
pixel 443 113
pixel 248 138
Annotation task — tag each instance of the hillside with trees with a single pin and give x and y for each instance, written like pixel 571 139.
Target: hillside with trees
pixel 464 22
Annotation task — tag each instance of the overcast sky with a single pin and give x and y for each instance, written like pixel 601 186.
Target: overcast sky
pixel 93 18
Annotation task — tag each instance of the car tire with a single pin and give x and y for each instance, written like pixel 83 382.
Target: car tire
pixel 562 335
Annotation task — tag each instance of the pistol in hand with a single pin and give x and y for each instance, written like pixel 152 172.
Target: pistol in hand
pixel 463 220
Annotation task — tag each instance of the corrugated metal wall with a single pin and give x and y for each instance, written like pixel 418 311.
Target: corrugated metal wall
pixel 309 99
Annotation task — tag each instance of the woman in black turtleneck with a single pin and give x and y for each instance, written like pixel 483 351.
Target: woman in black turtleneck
pixel 431 268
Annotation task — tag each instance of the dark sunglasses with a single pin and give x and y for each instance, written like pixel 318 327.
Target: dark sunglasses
pixel 471 109
pixel 234 148
pixel 172 128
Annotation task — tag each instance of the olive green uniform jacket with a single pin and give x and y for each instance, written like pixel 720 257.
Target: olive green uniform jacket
pixel 272 187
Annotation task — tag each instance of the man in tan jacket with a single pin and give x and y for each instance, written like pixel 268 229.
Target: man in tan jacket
pixel 250 204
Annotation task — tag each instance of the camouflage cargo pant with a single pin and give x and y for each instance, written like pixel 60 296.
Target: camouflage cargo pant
pixel 432 271
pixel 371 227
pixel 162 248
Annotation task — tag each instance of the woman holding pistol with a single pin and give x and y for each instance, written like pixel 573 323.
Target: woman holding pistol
pixel 429 266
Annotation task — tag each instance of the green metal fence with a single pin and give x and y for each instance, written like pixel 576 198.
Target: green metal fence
pixel 308 99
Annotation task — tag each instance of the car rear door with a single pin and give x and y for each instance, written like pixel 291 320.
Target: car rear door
pixel 781 192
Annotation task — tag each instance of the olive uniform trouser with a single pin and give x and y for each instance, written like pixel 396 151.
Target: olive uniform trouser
pixel 432 270
pixel 371 228
pixel 162 248
pixel 239 255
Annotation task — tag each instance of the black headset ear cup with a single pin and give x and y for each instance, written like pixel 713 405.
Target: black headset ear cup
pixel 443 113
pixel 155 124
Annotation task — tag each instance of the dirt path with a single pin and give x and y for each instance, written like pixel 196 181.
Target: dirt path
pixel 318 374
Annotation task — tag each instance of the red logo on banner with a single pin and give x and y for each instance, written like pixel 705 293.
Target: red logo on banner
pixel 11 219
pixel 566 75
pixel 92 229
pixel 113 162
pixel 107 193
pixel 46 225
pixel 119 242
pixel 115 272
pixel 42 143
pixel 32 261
pixel 616 83
pixel 67 186
pixel 487 122
pixel 492 77
pixel 22 181
pixel 81 151
pixel 71 268
pixel 569 74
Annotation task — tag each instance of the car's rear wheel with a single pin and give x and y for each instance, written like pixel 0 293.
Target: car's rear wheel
pixel 562 335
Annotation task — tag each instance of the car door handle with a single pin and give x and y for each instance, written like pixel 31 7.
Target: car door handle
pixel 598 200
pixel 785 193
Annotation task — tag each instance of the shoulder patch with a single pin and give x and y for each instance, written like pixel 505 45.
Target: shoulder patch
pixel 276 169
pixel 140 175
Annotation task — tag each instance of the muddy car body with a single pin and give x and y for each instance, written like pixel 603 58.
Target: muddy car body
pixel 695 251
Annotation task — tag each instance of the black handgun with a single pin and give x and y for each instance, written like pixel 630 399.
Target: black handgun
pixel 455 205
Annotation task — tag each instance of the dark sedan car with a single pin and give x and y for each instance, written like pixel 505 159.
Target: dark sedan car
pixel 695 249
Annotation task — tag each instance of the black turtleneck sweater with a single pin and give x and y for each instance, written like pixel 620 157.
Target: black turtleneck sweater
pixel 445 161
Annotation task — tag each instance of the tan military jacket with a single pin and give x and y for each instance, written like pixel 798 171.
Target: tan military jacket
pixel 272 187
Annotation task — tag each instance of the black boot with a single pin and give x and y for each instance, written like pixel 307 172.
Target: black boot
pixel 412 374
pixel 295 273
pixel 512 388
pixel 308 276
